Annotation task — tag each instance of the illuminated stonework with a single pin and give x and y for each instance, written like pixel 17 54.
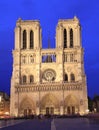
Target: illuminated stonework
pixel 48 81
pixel 49 75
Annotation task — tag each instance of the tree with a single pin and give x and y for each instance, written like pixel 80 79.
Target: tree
pixel 96 102
pixel 90 104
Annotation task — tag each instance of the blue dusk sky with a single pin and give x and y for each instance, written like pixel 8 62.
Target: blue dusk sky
pixel 49 12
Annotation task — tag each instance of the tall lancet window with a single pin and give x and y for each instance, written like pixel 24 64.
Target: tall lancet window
pixel 71 38
pixel 65 38
pixel 66 77
pixel 24 79
pixel 24 39
pixel 72 77
pixel 31 79
pixel 31 39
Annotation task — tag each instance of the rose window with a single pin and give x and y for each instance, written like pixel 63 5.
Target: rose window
pixel 49 75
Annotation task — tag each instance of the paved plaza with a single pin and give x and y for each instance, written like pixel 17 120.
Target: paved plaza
pixel 51 124
pixel 76 124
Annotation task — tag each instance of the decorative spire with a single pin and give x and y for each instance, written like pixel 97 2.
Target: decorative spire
pixel 75 18
pixel 19 20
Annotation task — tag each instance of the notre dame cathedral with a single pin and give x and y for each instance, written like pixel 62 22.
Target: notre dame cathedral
pixel 48 81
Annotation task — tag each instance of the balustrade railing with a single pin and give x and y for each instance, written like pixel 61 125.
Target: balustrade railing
pixel 65 86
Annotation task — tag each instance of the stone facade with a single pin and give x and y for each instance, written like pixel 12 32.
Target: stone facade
pixel 48 81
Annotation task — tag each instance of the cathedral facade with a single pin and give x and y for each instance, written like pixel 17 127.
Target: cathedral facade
pixel 48 81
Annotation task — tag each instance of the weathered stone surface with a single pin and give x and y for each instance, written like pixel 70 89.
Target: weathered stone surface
pixel 45 77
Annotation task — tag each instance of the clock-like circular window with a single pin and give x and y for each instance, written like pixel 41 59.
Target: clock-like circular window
pixel 49 75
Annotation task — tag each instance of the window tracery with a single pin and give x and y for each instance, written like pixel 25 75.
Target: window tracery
pixel 49 75
pixel 31 39
pixel 71 38
pixel 31 79
pixel 24 79
pixel 24 39
pixel 72 77
pixel 65 38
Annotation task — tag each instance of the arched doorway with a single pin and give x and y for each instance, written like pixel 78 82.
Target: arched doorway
pixel 71 105
pixel 49 105
pixel 27 107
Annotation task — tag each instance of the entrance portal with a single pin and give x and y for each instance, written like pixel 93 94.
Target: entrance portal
pixel 71 105
pixel 27 112
pixel 70 110
pixel 49 105
pixel 27 107
pixel 49 110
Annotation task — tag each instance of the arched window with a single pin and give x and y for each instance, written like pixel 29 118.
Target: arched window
pixel 31 39
pixel 24 79
pixel 31 79
pixel 71 57
pixel 72 77
pixel 65 57
pixel 71 38
pixel 31 59
pixel 66 77
pixel 24 39
pixel 65 38
pixel 23 59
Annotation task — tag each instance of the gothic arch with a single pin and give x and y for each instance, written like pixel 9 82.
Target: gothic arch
pixel 24 46
pixel 31 39
pixel 71 38
pixel 31 79
pixel 26 104
pixel 49 100
pixel 23 59
pixel 24 79
pixel 65 77
pixel 71 100
pixel 31 58
pixel 65 38
pixel 71 105
pixel 72 77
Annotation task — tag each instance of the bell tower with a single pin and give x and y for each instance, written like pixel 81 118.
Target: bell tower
pixel 68 33
pixel 26 57
pixel 70 54
pixel 28 35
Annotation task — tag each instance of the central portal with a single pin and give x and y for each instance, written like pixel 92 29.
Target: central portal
pixel 27 112
pixel 49 110
pixel 70 110
pixel 49 105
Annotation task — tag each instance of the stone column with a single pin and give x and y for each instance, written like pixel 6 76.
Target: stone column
pixel 40 38
pixel 68 37
pixel 37 111
pixel 59 36
pixel 78 36
pixel 61 110
pixel 28 39
pixel 36 37
pixel 17 37
pixel 75 37
pixel 21 39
